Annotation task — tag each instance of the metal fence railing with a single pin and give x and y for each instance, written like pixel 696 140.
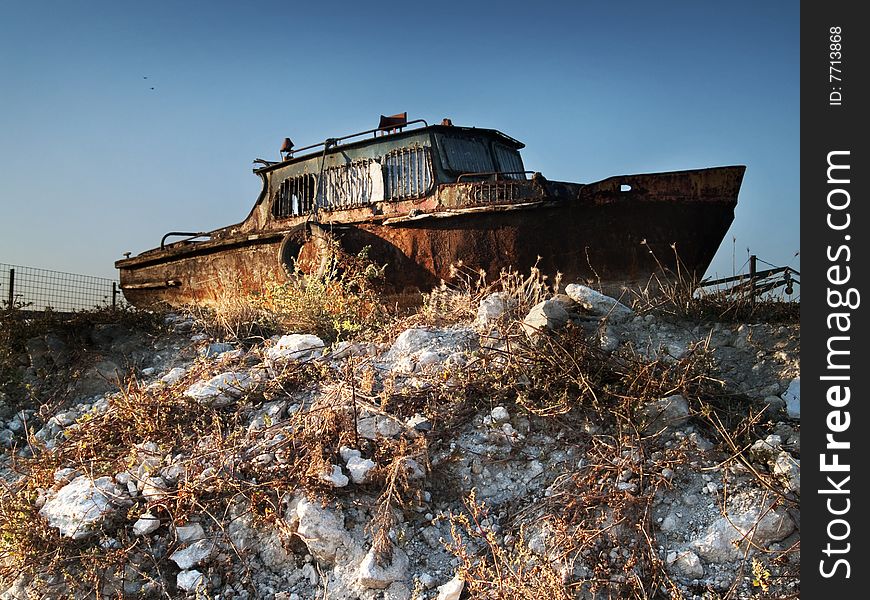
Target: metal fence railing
pixel 35 289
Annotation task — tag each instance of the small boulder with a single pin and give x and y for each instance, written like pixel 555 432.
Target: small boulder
pixel 79 507
pixel 193 554
pixel 492 308
pixel 375 576
pixel 452 590
pixel 359 468
pixel 335 477
pixel 174 376
pixel 722 540
pixel 221 390
pixel 547 315
pixel 297 346
pixel 599 305
pixel 190 533
pixel 189 581
pixel 688 565
pixel 146 524
pixel 792 397
pixel 321 529
pixel 672 411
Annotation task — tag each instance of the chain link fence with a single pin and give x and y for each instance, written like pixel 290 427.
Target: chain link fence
pixel 33 289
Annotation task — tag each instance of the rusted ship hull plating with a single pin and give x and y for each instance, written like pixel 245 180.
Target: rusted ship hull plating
pixel 614 232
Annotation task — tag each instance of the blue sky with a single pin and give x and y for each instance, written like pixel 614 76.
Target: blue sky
pixel 94 163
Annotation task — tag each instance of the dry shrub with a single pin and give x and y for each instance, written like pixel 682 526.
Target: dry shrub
pixel 401 491
pixel 341 302
pixel 500 572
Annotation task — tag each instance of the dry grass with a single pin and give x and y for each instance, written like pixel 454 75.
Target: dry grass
pixel 675 292
pixel 459 301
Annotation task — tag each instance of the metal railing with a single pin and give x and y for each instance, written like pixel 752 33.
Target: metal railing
pixel 33 289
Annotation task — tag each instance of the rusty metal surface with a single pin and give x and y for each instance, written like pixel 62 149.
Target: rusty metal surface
pixel 615 231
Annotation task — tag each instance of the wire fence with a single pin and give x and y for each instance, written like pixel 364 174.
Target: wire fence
pixel 33 289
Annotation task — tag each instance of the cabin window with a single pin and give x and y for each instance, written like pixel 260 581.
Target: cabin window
pixel 352 184
pixel 463 155
pixel 407 172
pixel 294 196
pixel 509 161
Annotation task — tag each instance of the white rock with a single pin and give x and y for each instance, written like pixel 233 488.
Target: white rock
pixel 359 468
pixel 310 573
pixel 792 397
pixel 154 488
pixel 549 314
pixel 418 423
pixel 767 448
pixel 689 565
pixel 412 341
pixel 451 590
pixel 335 477
pixel 145 524
pixel 672 411
pixel 493 307
pixel 500 414
pixel 322 531
pixel 348 453
pixel 373 575
pixel 722 539
pixel 297 346
pixel 174 376
pixel 80 506
pixel 375 426
pixel 421 347
pixel 190 533
pixel 193 554
pixel 222 389
pixel 598 304
pixel 789 468
pixel 189 581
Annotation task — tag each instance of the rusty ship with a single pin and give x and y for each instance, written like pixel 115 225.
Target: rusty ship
pixel 423 198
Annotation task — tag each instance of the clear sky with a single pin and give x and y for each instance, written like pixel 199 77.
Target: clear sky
pixel 121 121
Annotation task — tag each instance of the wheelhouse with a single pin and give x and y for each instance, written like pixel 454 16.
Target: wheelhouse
pixel 392 166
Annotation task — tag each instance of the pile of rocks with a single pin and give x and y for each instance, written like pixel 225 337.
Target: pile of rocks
pixel 512 459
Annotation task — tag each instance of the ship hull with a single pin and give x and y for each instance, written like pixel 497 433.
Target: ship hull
pixel 613 233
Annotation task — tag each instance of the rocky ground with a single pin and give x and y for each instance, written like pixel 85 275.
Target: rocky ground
pixel 583 450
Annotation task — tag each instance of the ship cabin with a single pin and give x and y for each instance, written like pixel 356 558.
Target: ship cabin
pixel 390 163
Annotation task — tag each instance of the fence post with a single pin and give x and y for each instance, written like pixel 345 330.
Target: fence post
pixel 752 271
pixel 11 288
pixel 114 294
